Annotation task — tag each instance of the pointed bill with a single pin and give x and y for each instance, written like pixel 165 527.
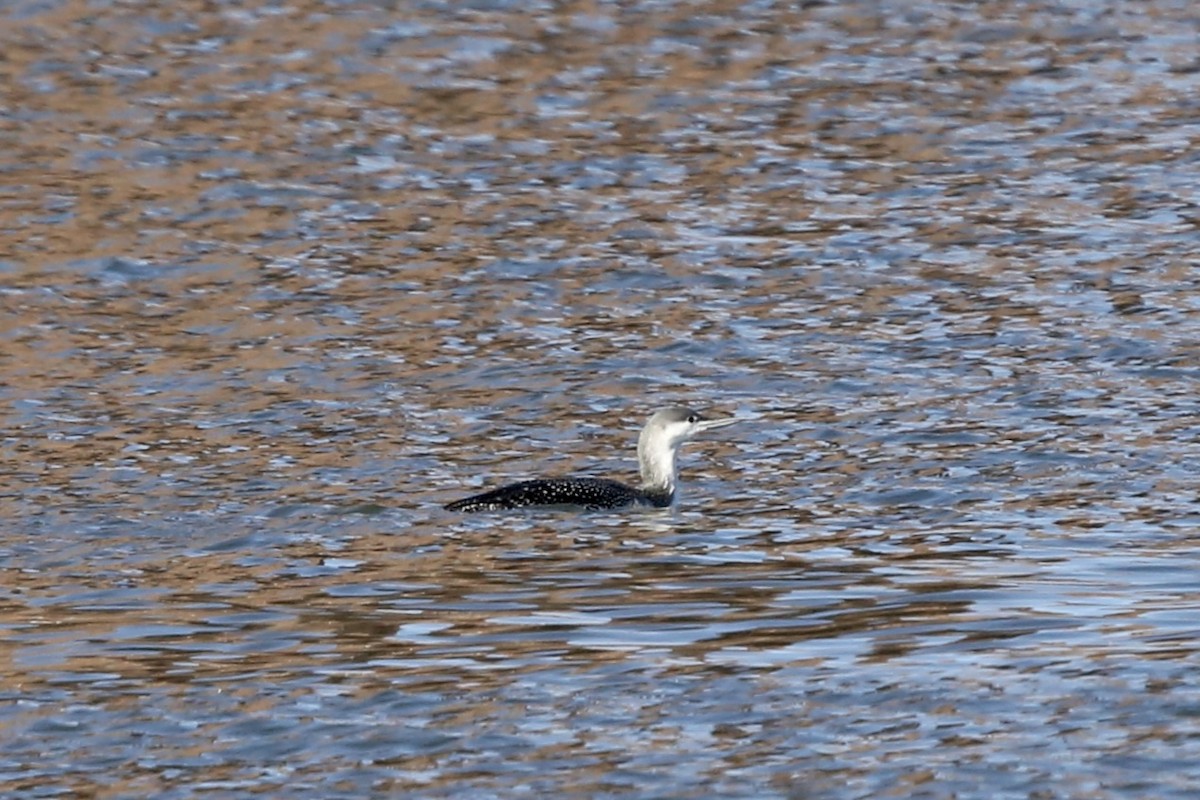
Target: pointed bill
pixel 712 424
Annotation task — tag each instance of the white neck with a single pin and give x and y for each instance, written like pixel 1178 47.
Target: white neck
pixel 657 459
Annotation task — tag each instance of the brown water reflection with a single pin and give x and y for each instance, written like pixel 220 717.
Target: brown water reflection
pixel 277 281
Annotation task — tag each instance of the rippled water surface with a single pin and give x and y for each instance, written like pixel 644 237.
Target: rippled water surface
pixel 279 280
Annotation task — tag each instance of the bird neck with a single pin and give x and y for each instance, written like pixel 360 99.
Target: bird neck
pixel 657 460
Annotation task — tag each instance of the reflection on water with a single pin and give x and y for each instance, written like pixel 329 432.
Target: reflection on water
pixel 277 282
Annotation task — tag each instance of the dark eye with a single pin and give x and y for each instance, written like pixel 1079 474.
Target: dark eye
pixel 693 419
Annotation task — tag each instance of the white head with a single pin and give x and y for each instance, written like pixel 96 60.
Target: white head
pixel 659 443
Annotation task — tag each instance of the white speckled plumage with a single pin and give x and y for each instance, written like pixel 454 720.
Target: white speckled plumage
pixel 658 448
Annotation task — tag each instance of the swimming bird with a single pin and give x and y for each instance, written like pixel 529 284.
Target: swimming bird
pixel 658 447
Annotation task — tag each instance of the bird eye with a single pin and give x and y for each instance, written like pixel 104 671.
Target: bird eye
pixel 693 419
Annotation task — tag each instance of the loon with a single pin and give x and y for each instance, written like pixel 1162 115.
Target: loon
pixel 658 445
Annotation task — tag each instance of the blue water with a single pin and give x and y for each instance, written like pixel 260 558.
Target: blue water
pixel 279 282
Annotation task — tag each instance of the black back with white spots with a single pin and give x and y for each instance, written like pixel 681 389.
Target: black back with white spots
pixel 590 494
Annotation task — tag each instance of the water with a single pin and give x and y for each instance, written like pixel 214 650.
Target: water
pixel 277 282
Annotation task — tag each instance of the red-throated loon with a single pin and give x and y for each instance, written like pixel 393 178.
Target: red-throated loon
pixel 658 447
